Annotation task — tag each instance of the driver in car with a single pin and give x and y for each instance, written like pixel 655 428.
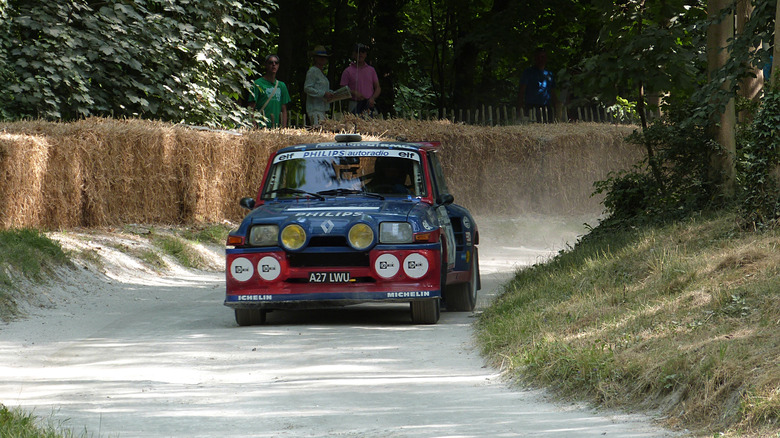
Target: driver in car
pixel 390 176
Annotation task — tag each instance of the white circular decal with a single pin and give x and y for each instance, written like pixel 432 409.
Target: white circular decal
pixel 415 265
pixel 386 265
pixel 269 268
pixel 466 222
pixel 241 269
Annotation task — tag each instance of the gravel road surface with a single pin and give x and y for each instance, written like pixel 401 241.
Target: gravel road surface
pixel 136 354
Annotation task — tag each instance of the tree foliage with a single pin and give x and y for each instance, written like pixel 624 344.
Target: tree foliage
pixel 194 60
pixel 681 186
pixel 170 60
pixel 759 161
pixel 656 46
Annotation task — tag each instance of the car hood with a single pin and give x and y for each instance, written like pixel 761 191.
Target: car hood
pixel 337 215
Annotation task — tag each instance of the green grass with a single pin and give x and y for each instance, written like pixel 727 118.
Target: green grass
pixel 215 234
pixel 683 318
pixel 179 249
pixel 152 258
pixel 17 424
pixel 27 252
pixel 178 244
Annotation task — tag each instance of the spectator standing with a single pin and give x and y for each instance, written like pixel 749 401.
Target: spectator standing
pixel 537 89
pixel 317 87
pixel 362 81
pixel 270 96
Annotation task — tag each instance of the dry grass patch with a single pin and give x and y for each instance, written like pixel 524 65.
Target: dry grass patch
pixel 682 319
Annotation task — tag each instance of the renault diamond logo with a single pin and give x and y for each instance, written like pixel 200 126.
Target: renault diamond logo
pixel 327 226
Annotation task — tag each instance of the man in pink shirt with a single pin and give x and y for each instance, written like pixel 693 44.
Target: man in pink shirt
pixel 362 81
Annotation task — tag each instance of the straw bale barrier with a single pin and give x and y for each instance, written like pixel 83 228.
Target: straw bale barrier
pixel 509 170
pixel 104 172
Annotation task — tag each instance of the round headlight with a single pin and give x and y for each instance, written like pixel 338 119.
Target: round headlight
pixel 361 236
pixel 263 235
pixel 395 232
pixel 293 237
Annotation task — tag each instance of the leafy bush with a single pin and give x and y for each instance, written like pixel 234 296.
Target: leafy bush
pixel 624 110
pixel 72 59
pixel 682 184
pixel 760 161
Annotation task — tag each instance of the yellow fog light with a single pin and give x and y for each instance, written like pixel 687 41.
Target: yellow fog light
pixel 293 237
pixel 361 236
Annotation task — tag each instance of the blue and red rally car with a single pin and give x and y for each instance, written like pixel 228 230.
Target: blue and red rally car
pixel 351 222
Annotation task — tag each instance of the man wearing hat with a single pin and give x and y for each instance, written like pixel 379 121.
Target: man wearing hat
pixel 362 81
pixel 317 87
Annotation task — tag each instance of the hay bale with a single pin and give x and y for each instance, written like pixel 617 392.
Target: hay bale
pixel 99 172
pixel 536 168
pixel 24 161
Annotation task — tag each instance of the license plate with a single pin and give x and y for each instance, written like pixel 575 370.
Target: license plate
pixel 328 277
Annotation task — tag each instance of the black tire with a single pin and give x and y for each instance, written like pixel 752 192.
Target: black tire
pixel 462 297
pixel 247 317
pixel 426 311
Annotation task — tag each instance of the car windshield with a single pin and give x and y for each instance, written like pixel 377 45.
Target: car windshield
pixel 387 172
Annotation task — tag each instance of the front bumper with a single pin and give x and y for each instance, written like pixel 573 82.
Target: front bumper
pixel 269 278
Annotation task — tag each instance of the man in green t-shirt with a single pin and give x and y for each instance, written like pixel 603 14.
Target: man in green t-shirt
pixel 270 96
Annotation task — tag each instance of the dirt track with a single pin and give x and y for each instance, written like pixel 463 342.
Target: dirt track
pixel 144 355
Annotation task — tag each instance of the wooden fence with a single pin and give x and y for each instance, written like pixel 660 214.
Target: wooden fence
pixel 503 115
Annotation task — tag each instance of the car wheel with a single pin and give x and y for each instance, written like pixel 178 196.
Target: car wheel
pixel 426 311
pixel 246 317
pixel 462 297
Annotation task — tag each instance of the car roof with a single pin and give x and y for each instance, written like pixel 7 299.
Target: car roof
pixel 421 146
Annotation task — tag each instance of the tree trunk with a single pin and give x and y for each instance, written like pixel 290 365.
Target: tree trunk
pixel 341 42
pixel 722 170
pixel 387 51
pixel 776 46
pixel 749 87
pixel 292 44
pixel 774 76
pixel 437 61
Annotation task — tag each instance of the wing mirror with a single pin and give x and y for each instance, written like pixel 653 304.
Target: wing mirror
pixel 247 203
pixel 445 199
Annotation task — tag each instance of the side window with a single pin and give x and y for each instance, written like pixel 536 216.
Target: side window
pixel 439 183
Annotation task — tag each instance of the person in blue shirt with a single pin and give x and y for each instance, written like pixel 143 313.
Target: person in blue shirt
pixel 538 95
pixel 768 70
